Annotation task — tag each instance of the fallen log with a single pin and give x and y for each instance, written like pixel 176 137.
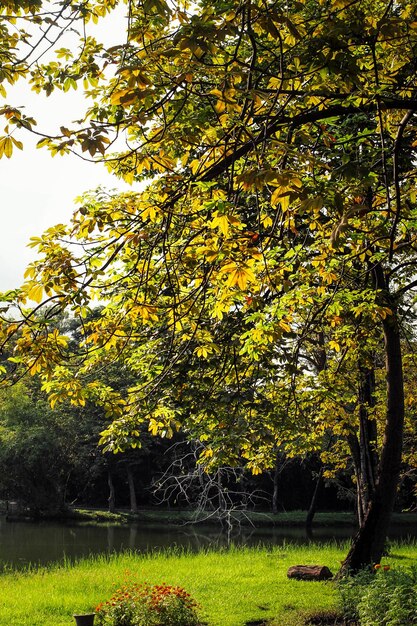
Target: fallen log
pixel 309 572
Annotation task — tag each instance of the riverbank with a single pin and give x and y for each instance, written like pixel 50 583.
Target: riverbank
pixel 235 518
pixel 234 587
pixel 258 519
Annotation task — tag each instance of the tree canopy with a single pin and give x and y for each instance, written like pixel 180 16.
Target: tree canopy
pixel 270 255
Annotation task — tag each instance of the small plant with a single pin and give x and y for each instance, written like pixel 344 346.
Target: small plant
pixel 351 589
pixel 385 597
pixel 146 605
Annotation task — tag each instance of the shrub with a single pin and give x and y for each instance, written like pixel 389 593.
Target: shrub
pixel 146 605
pixel 351 589
pixel 387 597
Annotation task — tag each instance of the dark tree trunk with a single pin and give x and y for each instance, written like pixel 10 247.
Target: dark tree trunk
pixel 367 435
pixel 353 442
pixel 275 493
pixel 363 449
pixel 313 504
pixel 112 496
pixel 132 492
pixel 320 358
pixel 368 544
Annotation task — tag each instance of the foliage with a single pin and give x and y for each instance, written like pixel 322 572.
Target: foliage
pixel 267 259
pixel 48 458
pixel 38 450
pixel 385 598
pixel 351 589
pixel 274 193
pixel 146 605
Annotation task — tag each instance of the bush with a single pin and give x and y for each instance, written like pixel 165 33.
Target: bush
pixel 146 605
pixel 351 589
pixel 384 598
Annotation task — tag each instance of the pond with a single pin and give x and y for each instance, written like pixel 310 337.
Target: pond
pixel 22 543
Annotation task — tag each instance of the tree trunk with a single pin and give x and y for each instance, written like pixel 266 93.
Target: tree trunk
pixel 363 449
pixel 112 497
pixel 367 436
pixel 313 504
pixel 353 442
pixel 368 544
pixel 277 473
pixel 320 357
pixel 132 492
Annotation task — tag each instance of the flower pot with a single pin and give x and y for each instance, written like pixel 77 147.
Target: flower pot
pixel 86 619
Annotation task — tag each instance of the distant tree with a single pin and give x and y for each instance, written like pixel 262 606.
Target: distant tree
pixel 36 453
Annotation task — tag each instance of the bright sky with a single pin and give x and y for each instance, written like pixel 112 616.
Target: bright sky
pixel 38 191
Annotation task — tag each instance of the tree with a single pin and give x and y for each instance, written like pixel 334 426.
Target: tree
pixel 38 451
pixel 279 146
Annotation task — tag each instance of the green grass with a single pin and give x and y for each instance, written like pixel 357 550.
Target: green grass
pixel 233 587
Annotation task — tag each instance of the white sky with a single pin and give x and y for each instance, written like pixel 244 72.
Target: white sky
pixel 38 191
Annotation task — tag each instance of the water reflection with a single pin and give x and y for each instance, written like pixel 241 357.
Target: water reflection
pixel 22 542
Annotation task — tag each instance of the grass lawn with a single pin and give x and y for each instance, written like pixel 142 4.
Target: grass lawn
pixel 233 587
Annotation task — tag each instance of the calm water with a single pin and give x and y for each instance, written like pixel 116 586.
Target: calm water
pixel 23 542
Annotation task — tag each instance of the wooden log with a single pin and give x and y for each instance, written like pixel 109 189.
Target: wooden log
pixel 309 572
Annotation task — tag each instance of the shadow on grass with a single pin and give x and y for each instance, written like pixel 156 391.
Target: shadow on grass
pixel 329 618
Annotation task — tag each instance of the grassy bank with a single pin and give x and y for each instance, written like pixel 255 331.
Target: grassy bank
pixel 256 518
pixel 244 518
pixel 233 587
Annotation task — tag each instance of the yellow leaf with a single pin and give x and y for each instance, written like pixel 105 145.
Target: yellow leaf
pixel 209 253
pixel 279 197
pixel 35 292
pixel 147 312
pixel 8 147
pixel 221 222
pixel 17 143
pixel 285 203
pixel 284 325
pixel 195 165
pixel 128 177
pixel 216 92
pixel 240 276
pixel 53 399
pixel 334 345
pixel 219 309
pixel 150 213
pixel 266 221
pixel 153 427
pixel 30 272
pixel 35 368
